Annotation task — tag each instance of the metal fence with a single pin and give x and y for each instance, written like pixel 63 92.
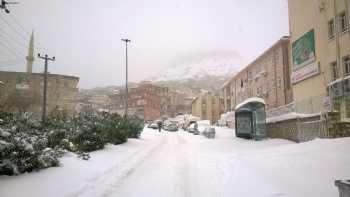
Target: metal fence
pixel 311 130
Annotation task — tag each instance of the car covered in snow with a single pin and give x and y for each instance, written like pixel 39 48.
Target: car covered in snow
pixel 209 132
pixel 171 127
pixel 193 128
pixel 202 124
pixel 153 125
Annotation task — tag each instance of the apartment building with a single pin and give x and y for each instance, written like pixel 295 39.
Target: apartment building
pixel 320 55
pixel 268 77
pixel 143 101
pixel 207 107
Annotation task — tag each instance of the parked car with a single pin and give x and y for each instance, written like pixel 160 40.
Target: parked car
pixel 193 128
pixel 172 127
pixel 209 132
pixel 153 126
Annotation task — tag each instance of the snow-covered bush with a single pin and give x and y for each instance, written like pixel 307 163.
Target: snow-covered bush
pixel 133 127
pixel 87 140
pixel 27 145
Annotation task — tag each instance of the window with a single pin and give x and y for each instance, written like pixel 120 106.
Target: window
pixel 343 21
pixel 347 107
pixel 331 29
pixel 346 85
pixel 346 63
pixel 334 71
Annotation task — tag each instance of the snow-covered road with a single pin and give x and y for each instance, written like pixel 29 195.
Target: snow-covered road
pixel 181 164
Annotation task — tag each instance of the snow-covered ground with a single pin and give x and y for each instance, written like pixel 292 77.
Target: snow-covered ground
pixel 182 164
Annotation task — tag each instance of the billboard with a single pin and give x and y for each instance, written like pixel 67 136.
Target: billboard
pixel 303 50
pixel 305 72
pixel 303 55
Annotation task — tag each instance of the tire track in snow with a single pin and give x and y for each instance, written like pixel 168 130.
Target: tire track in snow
pixel 101 184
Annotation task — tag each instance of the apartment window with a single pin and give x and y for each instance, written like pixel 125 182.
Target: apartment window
pixel 343 21
pixel 334 71
pixel 346 63
pixel 331 29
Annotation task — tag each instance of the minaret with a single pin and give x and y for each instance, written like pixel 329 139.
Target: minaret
pixel 30 57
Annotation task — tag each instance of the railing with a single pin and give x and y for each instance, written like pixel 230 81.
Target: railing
pixel 311 105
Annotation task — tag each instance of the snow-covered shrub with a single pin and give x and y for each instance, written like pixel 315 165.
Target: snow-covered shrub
pixel 48 158
pixel 55 137
pixel 87 140
pixel 23 146
pixel 134 127
pixel 27 145
pixel 84 156
pixel 110 129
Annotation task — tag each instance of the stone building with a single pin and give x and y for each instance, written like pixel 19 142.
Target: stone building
pixel 268 77
pixel 207 107
pixel 23 91
pixel 320 55
pixel 143 101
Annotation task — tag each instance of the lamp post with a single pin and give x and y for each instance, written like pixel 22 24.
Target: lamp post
pixel 126 76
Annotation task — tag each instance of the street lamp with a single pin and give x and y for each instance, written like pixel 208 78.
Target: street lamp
pixel 126 75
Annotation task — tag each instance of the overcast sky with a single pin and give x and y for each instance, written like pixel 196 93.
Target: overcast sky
pixel 84 35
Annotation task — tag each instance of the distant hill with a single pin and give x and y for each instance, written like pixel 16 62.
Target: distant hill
pixel 206 72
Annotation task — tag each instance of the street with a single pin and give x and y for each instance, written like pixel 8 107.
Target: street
pixel 182 164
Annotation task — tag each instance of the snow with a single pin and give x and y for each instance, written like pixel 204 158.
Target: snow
pixel 248 100
pixel 213 65
pixel 289 116
pixel 182 164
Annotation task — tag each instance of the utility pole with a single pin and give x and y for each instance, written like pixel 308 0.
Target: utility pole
pixel 126 76
pixel 47 59
pixel 4 5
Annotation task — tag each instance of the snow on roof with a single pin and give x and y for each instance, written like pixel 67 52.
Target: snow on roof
pixel 248 100
pixel 290 116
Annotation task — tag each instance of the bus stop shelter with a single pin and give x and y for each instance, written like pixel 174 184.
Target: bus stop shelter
pixel 250 119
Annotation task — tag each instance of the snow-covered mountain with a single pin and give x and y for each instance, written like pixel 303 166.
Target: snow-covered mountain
pixel 204 72
pixel 219 65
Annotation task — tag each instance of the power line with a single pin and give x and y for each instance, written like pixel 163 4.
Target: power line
pixel 25 31
pixel 11 38
pixel 8 24
pixel 9 49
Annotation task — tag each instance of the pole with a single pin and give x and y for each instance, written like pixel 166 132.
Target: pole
pixel 47 59
pixel 126 76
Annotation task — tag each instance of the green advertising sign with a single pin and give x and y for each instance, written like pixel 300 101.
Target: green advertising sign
pixel 303 50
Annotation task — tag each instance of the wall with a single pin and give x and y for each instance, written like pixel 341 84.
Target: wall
pixel 24 92
pixel 329 125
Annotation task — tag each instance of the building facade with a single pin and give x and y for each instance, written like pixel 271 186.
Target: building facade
pixel 100 102
pixel 267 77
pixel 23 92
pixel 207 107
pixel 143 101
pixel 320 55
